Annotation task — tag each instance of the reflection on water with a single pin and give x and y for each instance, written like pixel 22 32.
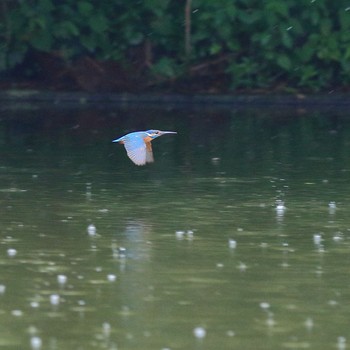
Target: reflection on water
pixel 237 237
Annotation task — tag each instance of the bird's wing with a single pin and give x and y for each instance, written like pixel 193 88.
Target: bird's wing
pixel 136 149
pixel 149 153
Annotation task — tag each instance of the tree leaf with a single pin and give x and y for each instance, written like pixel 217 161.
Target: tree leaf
pixel 284 62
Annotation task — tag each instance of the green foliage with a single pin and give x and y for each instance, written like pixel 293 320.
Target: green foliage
pixel 300 44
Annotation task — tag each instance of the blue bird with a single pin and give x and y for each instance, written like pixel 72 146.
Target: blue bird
pixel 138 145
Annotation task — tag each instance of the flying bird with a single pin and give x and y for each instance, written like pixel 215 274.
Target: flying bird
pixel 138 145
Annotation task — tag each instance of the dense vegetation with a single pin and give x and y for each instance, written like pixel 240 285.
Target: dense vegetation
pixel 204 45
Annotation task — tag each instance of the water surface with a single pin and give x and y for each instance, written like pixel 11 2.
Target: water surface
pixel 191 252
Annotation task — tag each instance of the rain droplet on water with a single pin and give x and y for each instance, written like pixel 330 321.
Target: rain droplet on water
pixel 232 243
pixel 332 207
pixel 106 328
pixel 35 343
pixel 270 321
pixel 341 343
pixel 199 332
pixel 34 304
pixel 61 279
pixel 122 251
pixel 180 234
pixel 242 266
pixel 2 288
pixel 215 160
pixel 111 277
pixel 332 204
pixel 11 252
pixel 280 207
pixel 189 234
pixel 54 299
pixel 17 313
pixel 91 230
pixel 338 236
pixel 309 323
pixel 88 191
pixel 264 305
pixel 317 238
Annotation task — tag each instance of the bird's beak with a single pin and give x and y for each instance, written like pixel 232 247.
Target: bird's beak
pixel 168 132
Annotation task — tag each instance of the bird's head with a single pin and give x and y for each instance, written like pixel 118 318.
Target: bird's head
pixel 156 133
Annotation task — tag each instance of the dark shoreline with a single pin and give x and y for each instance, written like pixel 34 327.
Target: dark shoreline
pixel 81 99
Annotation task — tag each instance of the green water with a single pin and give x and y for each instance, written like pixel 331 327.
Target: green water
pixel 160 265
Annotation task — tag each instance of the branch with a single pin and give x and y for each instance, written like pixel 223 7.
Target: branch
pixel 214 62
pixel 188 28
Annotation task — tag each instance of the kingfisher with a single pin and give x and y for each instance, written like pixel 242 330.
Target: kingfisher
pixel 138 145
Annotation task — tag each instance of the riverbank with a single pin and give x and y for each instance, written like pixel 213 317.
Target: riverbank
pixel 76 99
